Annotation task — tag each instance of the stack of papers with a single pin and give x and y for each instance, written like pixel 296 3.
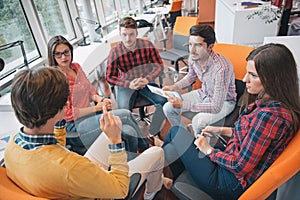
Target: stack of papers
pixel 166 94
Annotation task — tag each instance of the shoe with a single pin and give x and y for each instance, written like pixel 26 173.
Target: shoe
pixel 150 140
pixel 154 140
pixel 149 196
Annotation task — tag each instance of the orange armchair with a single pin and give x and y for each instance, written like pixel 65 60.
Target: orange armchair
pixel 286 166
pixel 9 190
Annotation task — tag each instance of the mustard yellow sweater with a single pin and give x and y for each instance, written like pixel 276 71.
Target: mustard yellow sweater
pixel 54 172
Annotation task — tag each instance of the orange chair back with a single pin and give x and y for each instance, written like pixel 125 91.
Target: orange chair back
pixel 112 44
pixel 237 55
pixel 9 190
pixel 284 167
pixel 183 24
pixel 176 6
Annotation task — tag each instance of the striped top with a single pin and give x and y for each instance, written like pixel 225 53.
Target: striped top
pixel 218 84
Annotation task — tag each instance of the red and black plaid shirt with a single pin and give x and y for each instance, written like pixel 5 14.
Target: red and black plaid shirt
pixel 123 65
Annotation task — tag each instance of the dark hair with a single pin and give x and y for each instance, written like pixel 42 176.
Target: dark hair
pixel 128 22
pixel 38 94
pixel 205 31
pixel 277 71
pixel 53 42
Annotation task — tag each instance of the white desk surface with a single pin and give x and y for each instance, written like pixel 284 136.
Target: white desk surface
pixel 291 42
pixel 235 5
pixel 8 121
pixel 237 28
pixel 160 10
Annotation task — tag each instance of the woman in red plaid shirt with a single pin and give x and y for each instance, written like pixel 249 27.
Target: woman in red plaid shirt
pixel 267 124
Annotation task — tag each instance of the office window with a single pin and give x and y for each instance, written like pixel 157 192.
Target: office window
pixel 55 18
pixel 109 9
pixel 84 22
pixel 13 27
pixel 125 5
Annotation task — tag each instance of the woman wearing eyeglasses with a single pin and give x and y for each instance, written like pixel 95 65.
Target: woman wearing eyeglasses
pixel 81 116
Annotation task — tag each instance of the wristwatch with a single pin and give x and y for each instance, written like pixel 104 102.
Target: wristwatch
pixel 208 152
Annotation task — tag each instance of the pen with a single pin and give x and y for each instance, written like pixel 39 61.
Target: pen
pixel 222 140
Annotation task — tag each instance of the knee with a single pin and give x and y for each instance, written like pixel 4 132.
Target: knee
pixel 168 107
pixel 125 112
pixel 173 132
pixel 129 130
pixel 198 124
pixel 123 104
pixel 157 150
pixel 122 112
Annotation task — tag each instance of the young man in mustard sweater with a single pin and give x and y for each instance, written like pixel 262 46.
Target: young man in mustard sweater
pixel 36 159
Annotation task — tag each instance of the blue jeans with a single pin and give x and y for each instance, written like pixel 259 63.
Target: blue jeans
pixel 126 99
pixel 88 129
pixel 181 154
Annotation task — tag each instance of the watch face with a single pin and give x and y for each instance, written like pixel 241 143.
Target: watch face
pixel 208 151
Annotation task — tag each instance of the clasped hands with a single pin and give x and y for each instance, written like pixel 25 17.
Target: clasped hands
pixel 138 83
pixel 100 102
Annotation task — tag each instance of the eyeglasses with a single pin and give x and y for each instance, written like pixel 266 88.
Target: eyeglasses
pixel 59 54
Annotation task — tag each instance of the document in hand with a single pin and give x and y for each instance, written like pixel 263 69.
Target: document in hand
pixel 163 93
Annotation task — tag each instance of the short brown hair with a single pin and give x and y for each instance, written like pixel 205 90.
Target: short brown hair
pixel 204 31
pixel 128 22
pixel 38 94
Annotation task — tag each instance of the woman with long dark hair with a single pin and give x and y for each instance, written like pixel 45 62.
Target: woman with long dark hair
pixel 83 117
pixel 265 127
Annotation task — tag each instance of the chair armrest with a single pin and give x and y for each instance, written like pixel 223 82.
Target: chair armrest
pixel 134 182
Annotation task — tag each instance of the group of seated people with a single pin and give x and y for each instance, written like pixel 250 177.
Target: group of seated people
pixel 56 101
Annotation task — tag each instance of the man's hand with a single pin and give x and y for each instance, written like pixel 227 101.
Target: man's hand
pixel 133 85
pixel 111 125
pixel 170 88
pixel 138 83
pixel 176 102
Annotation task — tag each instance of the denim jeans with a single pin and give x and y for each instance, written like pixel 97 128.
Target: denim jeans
pixel 181 154
pixel 88 129
pixel 126 99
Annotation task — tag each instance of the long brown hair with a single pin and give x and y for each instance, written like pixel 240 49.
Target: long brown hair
pixel 277 70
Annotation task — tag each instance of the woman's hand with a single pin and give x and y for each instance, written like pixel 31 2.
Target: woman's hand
pixel 97 98
pixel 112 126
pixel 211 131
pixel 106 103
pixel 215 130
pixel 202 144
